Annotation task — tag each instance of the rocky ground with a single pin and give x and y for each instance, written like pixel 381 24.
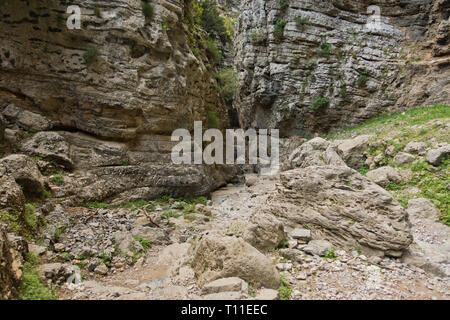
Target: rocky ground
pixel 349 275
pixel 359 215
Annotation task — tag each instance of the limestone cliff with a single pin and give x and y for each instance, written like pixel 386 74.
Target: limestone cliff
pixel 113 91
pixel 310 67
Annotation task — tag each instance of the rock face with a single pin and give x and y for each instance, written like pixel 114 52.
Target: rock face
pixel 11 264
pixel 218 256
pixel 114 90
pixel 310 67
pixel 342 206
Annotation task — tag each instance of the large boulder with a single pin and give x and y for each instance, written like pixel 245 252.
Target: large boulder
pixel 318 247
pixel 384 175
pixel 50 146
pixel 25 172
pixel 264 232
pixel 127 244
pixel 340 205
pixel 316 152
pixel 435 156
pixel 352 150
pixel 217 256
pixel 403 158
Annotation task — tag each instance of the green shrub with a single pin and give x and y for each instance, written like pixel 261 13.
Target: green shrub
pixel 189 208
pixel 283 4
pixel 212 49
pixel 362 81
pixel 343 91
pixel 98 12
pixel 210 19
pixel 283 244
pixel 258 36
pixel 228 84
pixel 311 65
pixel 57 179
pixel 284 290
pixel 95 204
pixel 212 120
pixel 229 26
pixel 324 50
pixel 58 232
pixel 301 22
pixel 31 219
pixel 148 10
pixel 278 31
pixel 331 254
pixel 320 103
pixel 146 244
pixel 13 221
pixel 91 55
pixel 32 287
pixel 170 214
pixel 189 217
pixel 363 170
pixel 135 205
pixel 106 258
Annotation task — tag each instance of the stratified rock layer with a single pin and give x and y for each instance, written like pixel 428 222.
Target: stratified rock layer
pixel 342 206
pixel 334 66
pixel 108 95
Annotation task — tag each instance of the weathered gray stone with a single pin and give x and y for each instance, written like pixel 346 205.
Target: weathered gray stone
pixel 101 269
pixel 11 267
pixel 434 156
pixel 338 204
pixel 383 175
pixel 303 235
pixel 318 247
pixel 422 208
pixel 264 232
pixel 403 158
pixel 127 243
pixel 156 235
pixel 217 256
pixel 352 150
pixel 50 146
pixel 416 147
pixel 267 294
pixel 232 284
pixel 25 172
pixel 280 76
pixel 315 152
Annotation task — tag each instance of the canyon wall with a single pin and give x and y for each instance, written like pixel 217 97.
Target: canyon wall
pixel 108 95
pixel 309 66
